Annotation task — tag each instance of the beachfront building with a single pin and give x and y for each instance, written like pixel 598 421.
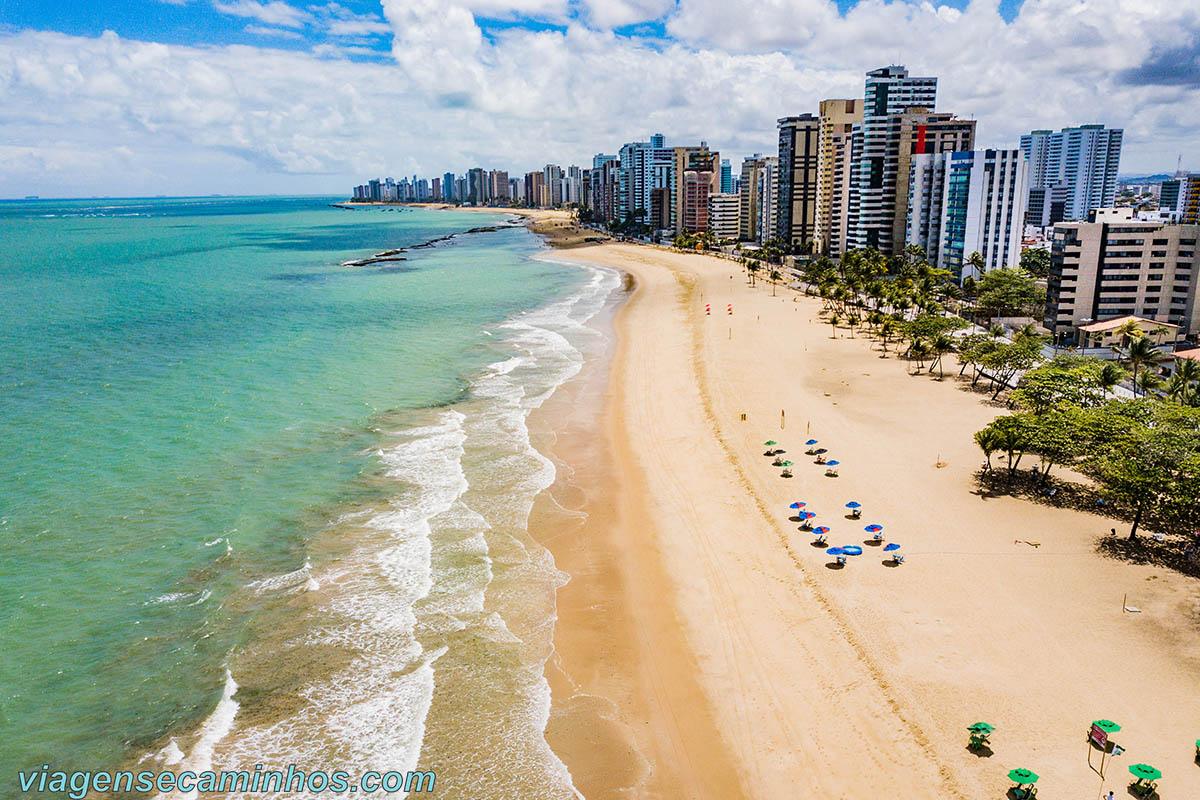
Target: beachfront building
pixel 536 195
pixel 516 190
pixel 645 166
pixel 702 161
pixel 1071 172
pixel 726 177
pixel 768 200
pixel 723 212
pixel 749 213
pixel 889 91
pixel 838 119
pixel 1189 199
pixel 967 202
pixel 693 215
pixel 1116 265
pixel 604 177
pixel 796 206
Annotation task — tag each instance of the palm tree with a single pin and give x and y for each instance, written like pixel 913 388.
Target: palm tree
pixel 886 329
pixel 1148 381
pixel 975 260
pixel 997 331
pixel 1139 352
pixel 775 276
pixel 1110 376
pixel 944 343
pixel 834 320
pixel 753 266
pixel 989 443
pixel 918 351
pixel 1187 372
pixel 852 320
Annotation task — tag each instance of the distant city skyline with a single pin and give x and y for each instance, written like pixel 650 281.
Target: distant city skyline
pixel 175 97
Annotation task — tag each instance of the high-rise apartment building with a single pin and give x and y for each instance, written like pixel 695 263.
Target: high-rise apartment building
pixel 645 166
pixel 698 159
pixel 889 91
pixel 968 202
pixel 1071 172
pixel 723 211
pixel 1189 200
pixel 535 189
pixel 796 206
pixel 912 132
pixel 768 200
pixel 750 204
pixel 604 187
pixel 476 187
pixel 448 186
pixel 835 135
pixel 693 214
pixel 1118 266
pixel 436 189
pixel 726 177
pixel 553 180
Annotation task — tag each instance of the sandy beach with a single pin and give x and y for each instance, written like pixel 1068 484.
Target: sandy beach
pixel 706 649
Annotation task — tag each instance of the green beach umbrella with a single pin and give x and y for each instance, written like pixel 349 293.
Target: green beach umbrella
pixel 786 464
pixel 1145 772
pixel 1022 776
pixel 770 443
pixel 1107 725
pixel 981 727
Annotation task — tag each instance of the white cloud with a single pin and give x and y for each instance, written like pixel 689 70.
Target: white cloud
pixel 274 12
pixel 263 30
pixel 254 119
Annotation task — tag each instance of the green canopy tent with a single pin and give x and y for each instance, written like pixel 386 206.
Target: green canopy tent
pixel 1145 775
pixel 1023 777
pixel 979 734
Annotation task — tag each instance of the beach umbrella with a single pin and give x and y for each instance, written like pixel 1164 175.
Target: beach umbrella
pixel 820 451
pixel 811 442
pixel 835 551
pixel 1107 725
pixel 1022 776
pixel 821 530
pixel 852 550
pixel 854 504
pixel 873 528
pixel 1145 772
pixel 981 727
pixel 891 547
pixel 770 443
pixel 831 463
pixel 806 515
pixel 785 463
pixel 797 504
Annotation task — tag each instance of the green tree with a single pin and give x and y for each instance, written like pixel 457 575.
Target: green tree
pixel 1152 463
pixel 1036 261
pixel 1010 292
pixel 1110 377
pixel 942 344
pixel 1139 352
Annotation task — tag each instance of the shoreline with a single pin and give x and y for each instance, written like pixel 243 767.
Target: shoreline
pixel 846 682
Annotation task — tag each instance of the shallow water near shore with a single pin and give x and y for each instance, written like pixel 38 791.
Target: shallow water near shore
pixel 259 507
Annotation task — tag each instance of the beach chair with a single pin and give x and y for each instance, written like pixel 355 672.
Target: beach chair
pixel 841 560
pixel 821 539
pixel 787 473
pixel 878 537
pixel 897 558
pixel 856 513
pixel 831 473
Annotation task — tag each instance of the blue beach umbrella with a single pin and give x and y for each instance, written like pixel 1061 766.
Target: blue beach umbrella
pixel 873 528
pixel 889 548
pixel 831 463
pixel 806 515
pixel 851 550
pixel 821 530
pixel 811 442
pixel 797 504
pixel 854 504
pixel 820 451
pixel 835 551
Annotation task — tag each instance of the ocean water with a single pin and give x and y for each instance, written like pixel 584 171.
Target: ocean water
pixel 257 507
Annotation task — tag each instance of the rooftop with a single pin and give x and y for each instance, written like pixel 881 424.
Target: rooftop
pixel 1193 354
pixel 1116 322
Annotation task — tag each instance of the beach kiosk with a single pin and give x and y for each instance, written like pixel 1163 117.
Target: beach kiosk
pixel 1145 780
pixel 1024 781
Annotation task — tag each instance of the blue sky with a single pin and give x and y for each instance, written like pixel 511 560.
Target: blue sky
pixel 176 96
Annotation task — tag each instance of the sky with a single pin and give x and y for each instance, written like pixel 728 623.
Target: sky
pixel 175 97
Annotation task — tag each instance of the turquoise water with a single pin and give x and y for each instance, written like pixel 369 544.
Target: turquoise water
pixel 227 460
